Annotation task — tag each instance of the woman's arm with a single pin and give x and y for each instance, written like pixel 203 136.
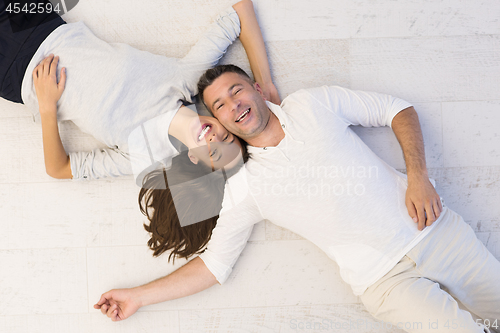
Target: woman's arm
pixel 48 92
pixel 253 42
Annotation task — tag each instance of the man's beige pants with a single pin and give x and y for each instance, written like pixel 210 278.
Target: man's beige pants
pixel 418 294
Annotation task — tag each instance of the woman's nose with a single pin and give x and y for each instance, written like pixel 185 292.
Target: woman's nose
pixel 214 138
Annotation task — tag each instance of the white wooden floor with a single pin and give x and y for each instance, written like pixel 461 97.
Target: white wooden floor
pixel 63 243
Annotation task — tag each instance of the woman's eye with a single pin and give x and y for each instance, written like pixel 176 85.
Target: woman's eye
pixel 225 138
pixel 220 105
pixel 213 153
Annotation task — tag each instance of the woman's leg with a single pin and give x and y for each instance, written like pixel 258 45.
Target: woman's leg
pixel 20 36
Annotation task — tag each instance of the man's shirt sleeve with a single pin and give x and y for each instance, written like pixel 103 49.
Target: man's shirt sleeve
pixel 368 109
pixel 232 231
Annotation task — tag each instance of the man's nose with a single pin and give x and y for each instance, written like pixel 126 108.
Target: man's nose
pixel 235 103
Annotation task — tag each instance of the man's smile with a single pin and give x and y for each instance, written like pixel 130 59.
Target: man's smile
pixel 243 115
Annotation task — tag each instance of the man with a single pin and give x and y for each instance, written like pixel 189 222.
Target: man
pixel 310 173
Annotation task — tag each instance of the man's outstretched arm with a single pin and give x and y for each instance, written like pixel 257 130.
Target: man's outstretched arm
pixel 193 277
pixel 422 201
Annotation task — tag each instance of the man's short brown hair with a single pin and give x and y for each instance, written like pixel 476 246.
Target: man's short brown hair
pixel 212 74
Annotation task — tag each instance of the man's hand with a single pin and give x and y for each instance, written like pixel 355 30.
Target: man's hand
pixel 423 202
pixel 118 304
pixel 48 90
pixel 193 277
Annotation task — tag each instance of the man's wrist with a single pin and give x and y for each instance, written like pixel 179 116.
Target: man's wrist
pixel 416 177
pixel 139 296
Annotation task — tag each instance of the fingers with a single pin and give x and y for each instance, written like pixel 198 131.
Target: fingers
pixel 103 304
pixel 46 64
pixel 35 73
pixel 104 299
pixel 108 307
pixel 421 217
pixel 437 208
pixel 53 66
pixel 411 210
pixel 62 81
pixel 429 211
pixel 104 309
pixel 113 312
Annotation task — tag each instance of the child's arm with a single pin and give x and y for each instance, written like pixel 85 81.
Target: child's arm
pixel 253 42
pixel 48 91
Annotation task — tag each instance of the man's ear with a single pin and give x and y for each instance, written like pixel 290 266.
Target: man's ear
pixel 259 89
pixel 193 158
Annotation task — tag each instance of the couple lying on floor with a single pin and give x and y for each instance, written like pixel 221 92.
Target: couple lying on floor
pixel 397 245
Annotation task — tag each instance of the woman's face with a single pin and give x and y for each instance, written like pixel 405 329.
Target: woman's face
pixel 213 144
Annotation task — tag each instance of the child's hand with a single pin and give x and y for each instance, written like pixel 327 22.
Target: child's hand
pixel 48 90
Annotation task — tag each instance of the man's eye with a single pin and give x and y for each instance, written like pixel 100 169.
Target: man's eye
pixel 219 106
pixel 237 91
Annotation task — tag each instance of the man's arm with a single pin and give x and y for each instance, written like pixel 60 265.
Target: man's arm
pixel 228 240
pixel 253 42
pixel 193 277
pixel 48 90
pixel 422 201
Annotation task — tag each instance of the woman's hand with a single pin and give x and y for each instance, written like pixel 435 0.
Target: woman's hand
pixel 271 93
pixel 48 90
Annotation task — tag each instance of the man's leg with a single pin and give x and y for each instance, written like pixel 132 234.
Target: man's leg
pixel 409 301
pixel 449 261
pixel 20 36
pixel 461 264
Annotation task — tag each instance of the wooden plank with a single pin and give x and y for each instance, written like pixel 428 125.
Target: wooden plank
pixel 43 281
pixel 308 318
pixel 473 193
pixel 162 321
pixel 174 21
pixel 10 109
pixel 299 20
pixel 70 214
pixel 470 134
pixel 430 69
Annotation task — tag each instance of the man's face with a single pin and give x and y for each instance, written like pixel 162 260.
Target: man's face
pixel 239 105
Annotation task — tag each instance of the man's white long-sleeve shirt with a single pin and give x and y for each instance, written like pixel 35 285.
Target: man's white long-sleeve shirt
pixel 323 183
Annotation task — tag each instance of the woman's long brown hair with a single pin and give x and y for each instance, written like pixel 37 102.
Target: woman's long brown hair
pixel 157 203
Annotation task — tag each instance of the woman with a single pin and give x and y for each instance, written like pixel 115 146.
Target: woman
pixel 182 203
pixel 130 100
